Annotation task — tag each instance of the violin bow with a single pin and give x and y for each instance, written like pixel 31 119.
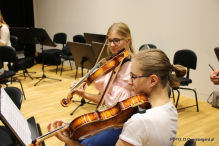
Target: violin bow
pixel 112 78
pixel 101 51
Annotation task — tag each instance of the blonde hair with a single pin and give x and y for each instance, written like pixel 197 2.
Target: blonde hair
pixel 3 21
pixel 155 61
pixel 123 30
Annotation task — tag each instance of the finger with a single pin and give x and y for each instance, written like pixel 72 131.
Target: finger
pixel 55 123
pixel 61 137
pixel 49 127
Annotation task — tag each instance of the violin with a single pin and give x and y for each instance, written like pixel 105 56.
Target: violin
pixel 96 72
pixel 94 122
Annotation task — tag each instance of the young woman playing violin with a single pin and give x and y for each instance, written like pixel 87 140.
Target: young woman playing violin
pixel 151 74
pixel 118 38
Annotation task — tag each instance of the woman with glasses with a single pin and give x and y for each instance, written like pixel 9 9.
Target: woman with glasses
pixel 151 74
pixel 118 38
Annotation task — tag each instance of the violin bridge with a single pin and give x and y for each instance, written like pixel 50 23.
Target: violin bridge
pixel 137 104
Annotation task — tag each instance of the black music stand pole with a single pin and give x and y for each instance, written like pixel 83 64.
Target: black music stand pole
pixel 44 39
pixel 25 37
pixel 82 103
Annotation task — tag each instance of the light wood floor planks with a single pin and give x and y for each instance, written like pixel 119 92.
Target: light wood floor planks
pixel 43 102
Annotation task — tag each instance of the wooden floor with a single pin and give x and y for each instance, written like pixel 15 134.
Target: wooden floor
pixel 43 102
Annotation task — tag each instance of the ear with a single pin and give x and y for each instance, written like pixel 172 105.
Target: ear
pixel 128 42
pixel 153 80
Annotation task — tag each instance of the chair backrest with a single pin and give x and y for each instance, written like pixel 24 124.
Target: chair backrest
pixel 66 50
pixel 15 94
pixel 60 38
pixel 151 46
pixel 79 38
pixel 7 54
pixel 186 58
pixel 14 42
pixel 190 142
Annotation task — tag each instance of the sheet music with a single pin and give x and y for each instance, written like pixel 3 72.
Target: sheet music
pixel 15 118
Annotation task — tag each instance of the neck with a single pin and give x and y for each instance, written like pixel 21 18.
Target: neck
pixel 158 96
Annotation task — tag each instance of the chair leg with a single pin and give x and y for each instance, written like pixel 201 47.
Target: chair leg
pixel 195 97
pixel 21 88
pixel 173 96
pixel 70 64
pixel 177 98
pixel 196 100
pixel 76 72
pixel 24 74
pixel 62 67
pixel 57 65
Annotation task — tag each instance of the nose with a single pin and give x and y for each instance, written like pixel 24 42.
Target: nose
pixel 111 44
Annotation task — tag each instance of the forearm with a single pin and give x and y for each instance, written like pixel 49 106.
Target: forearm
pixel 92 97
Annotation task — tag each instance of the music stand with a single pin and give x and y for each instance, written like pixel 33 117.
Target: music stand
pixel 91 37
pixel 16 126
pixel 84 57
pixel 97 48
pixel 25 37
pixel 43 38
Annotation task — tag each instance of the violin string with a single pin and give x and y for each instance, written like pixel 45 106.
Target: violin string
pixel 52 131
pixel 95 67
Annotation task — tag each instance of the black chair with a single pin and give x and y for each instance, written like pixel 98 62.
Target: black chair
pixel 188 59
pixel 79 38
pixel 24 62
pixel 151 46
pixel 59 38
pixel 15 94
pixel 190 142
pixel 8 54
pixel 66 56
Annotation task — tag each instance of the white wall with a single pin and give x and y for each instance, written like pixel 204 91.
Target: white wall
pixel 169 24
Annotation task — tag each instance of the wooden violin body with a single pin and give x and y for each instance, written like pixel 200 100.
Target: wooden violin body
pixel 95 73
pixel 94 122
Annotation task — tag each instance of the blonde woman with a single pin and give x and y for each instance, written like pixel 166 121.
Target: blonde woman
pixel 4 32
pixel 118 38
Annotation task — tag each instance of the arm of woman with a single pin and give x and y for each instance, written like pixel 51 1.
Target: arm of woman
pixel 214 76
pixel 80 91
pixel 63 136
pixel 123 143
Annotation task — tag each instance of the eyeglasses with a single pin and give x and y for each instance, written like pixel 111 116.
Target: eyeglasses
pixel 134 77
pixel 115 41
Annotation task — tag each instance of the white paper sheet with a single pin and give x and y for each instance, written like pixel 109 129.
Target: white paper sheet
pixel 15 118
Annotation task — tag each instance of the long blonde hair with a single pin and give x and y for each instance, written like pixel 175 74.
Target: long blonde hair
pixel 155 61
pixel 2 20
pixel 123 30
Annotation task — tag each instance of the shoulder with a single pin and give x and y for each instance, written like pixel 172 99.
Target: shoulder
pixel 4 27
pixel 134 130
pixel 137 119
pixel 126 66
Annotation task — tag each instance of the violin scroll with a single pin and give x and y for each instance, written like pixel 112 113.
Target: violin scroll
pixel 66 102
